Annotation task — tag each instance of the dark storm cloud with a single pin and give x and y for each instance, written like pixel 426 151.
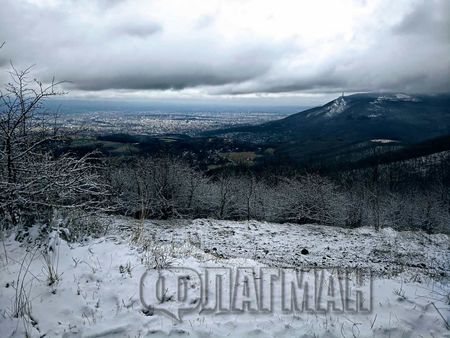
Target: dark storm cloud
pixel 244 65
pixel 180 76
pixel 126 45
pixel 430 19
pixel 138 29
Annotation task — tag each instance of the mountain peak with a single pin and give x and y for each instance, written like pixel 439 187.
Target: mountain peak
pixel 332 108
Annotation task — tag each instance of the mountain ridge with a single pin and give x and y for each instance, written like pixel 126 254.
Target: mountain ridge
pixel 351 119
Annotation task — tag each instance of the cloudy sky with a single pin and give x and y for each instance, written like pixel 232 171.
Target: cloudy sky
pixel 301 50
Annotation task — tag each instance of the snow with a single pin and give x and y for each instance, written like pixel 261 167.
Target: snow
pixel 377 107
pixel 404 97
pixel 338 106
pixel 396 98
pixel 97 294
pixel 380 140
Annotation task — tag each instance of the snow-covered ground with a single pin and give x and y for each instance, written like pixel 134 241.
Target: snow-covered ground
pixel 97 293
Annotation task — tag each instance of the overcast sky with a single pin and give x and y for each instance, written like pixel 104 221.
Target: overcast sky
pixel 289 50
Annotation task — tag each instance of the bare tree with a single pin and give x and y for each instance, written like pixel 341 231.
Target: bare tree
pixel 222 196
pixel 22 123
pixel 32 178
pixel 159 187
pixel 249 195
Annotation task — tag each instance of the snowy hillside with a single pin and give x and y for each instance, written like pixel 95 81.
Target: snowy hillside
pixel 356 118
pixel 334 108
pixel 95 292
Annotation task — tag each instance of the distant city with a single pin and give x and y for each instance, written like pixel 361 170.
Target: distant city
pixel 142 119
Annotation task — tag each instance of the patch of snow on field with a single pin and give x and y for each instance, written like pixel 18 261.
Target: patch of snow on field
pixel 383 141
pixel 97 294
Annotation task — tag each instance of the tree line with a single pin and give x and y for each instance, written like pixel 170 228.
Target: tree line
pixel 165 187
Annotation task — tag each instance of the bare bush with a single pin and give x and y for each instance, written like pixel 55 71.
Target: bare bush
pixel 158 188
pixel 416 211
pixel 312 199
pixel 23 286
pixel 156 256
pixel 50 256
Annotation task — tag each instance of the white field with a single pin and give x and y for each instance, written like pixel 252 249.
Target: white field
pixel 97 294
